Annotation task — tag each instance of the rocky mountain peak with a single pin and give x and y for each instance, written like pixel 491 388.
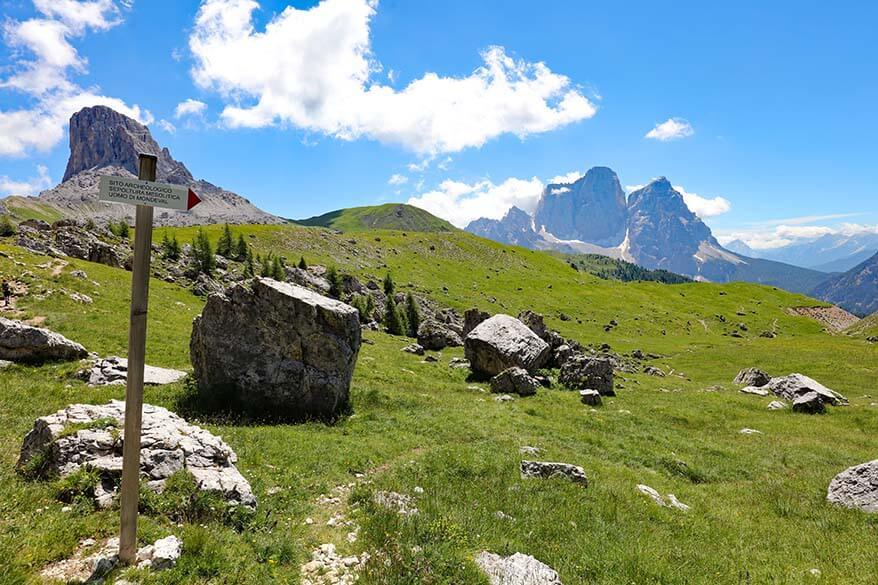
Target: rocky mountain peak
pixel 102 137
pixel 592 209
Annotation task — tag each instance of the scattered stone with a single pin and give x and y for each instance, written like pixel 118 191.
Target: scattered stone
pixel 584 373
pixel 756 390
pixel 590 397
pixel 431 359
pixel 92 566
pixel 501 515
pixel 114 371
pixel 872 339
pixel 24 343
pixel 856 487
pixel 503 342
pixel 795 385
pixel 518 569
pixel 278 347
pixel 535 322
pixel 528 450
pixel 548 469
pixel 750 432
pixel 92 435
pixel 776 405
pixel 4 364
pixel 400 503
pixel 79 274
pixel 435 335
pixel 80 298
pixel 503 398
pixel 653 371
pixel 656 497
pixel 514 381
pixel 561 355
pixel 328 567
pixel 638 354
pixel 810 403
pixel 414 348
pixel 752 377
pixel 459 363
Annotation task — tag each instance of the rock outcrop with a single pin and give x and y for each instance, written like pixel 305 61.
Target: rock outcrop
pixel 752 377
pixel 517 569
pixel 277 348
pixel 24 343
pixel 585 373
pixel 514 381
pixel 91 436
pixel 435 335
pixel 796 385
pixel 549 469
pixel 856 487
pixel 503 342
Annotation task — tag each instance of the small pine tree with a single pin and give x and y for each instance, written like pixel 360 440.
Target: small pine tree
pixel 278 272
pixel 249 265
pixel 241 249
pixel 365 306
pixel 225 243
pixel 7 228
pixel 302 264
pixel 389 287
pixel 334 282
pixel 171 247
pixel 124 229
pixel 393 319
pixel 412 314
pixel 203 253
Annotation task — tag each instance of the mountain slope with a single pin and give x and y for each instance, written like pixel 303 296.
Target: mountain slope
pixel 830 252
pixel 105 142
pixel 855 290
pixel 390 216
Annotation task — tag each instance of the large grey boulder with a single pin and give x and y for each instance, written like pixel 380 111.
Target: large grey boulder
pixel 810 403
pixel 581 372
pixel 92 436
pixel 856 487
pixel 795 385
pixel 503 342
pixel 435 335
pixel 24 343
pixel 752 377
pixel 517 569
pixel 277 348
pixel 472 318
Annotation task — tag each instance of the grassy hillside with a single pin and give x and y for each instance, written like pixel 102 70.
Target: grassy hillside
pixel 611 268
pixel 22 208
pixel 770 273
pixel 867 327
pixel 391 216
pixel 758 510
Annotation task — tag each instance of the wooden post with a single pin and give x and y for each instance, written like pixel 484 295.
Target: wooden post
pixel 136 359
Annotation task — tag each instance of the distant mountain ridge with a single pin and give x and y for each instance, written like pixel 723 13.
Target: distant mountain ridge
pixel 828 253
pixel 653 228
pixel 105 142
pixel 389 216
pixel 856 290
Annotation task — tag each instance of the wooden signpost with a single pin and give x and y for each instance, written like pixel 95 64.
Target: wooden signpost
pixel 146 194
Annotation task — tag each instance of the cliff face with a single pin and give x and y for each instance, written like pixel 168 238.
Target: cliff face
pixel 105 142
pixel 593 209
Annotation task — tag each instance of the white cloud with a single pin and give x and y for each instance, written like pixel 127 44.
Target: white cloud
pixel 671 129
pixel 567 178
pixel 629 189
pixel 31 186
pixel 167 126
pixel 190 108
pixel 313 69
pixel 461 203
pixel 559 190
pixel 44 60
pixel 702 206
pixel 421 166
pixel 397 179
pixel 781 235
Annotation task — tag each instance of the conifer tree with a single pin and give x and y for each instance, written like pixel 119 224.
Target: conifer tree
pixel 334 282
pixel 202 251
pixel 389 287
pixel 302 264
pixel 412 314
pixel 241 249
pixel 225 243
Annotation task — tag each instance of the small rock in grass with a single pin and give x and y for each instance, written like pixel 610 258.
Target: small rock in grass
pixel 414 348
pixel 856 487
pixel 528 450
pixel 503 398
pixel 549 469
pixel 776 405
pixel 752 377
pixel 810 403
pixel 517 569
pixel 590 397
pixel 399 503
pixel 514 380
pixel 750 432
pixel 755 390
pixel 653 371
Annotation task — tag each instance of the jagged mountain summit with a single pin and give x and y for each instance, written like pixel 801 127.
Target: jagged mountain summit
pixel 653 228
pixel 856 290
pixel 592 209
pixel 105 142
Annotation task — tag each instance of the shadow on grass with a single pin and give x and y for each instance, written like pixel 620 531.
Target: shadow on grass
pixel 223 405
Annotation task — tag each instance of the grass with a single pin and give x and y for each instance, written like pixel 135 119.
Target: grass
pixel 758 502
pixel 868 327
pixel 23 208
pixel 396 216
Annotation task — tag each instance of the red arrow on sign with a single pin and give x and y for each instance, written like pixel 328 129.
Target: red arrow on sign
pixel 193 200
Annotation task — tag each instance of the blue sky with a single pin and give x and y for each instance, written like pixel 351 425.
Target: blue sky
pixel 767 110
